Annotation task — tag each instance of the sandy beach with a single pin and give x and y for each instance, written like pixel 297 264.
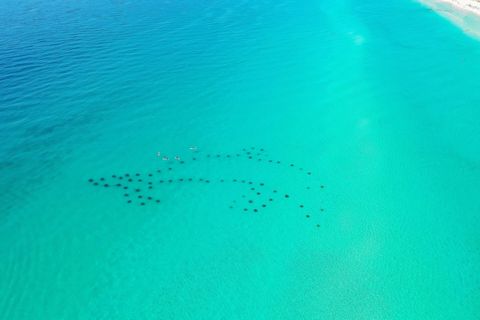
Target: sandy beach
pixel 466 5
pixel 464 13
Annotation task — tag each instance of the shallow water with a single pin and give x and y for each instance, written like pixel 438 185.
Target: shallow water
pixel 379 101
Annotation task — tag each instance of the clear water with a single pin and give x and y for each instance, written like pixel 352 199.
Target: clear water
pixel 378 99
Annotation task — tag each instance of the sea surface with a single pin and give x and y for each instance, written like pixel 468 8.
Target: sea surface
pixel 323 160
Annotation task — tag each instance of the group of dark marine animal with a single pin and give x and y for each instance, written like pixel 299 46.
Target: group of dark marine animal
pixel 136 186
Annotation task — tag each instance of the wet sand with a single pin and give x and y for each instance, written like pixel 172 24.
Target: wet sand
pixel 464 13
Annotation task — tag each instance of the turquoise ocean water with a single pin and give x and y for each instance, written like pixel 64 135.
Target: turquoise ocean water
pixel 376 104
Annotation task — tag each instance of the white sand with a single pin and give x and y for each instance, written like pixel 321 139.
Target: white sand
pixel 464 13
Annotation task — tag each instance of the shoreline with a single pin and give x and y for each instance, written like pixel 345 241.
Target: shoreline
pixel 463 13
pixel 466 5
